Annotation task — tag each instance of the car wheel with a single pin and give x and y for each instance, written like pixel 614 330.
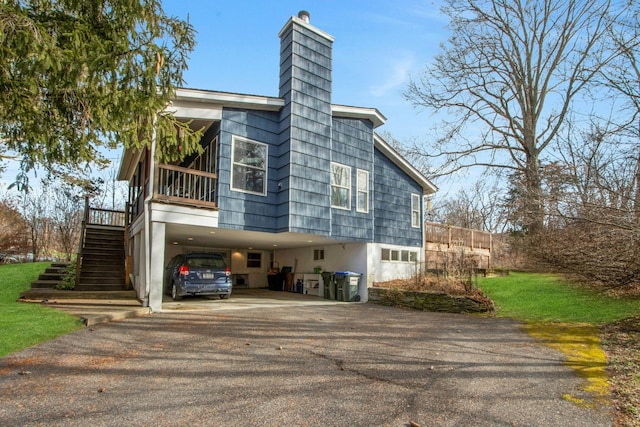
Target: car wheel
pixel 174 293
pixel 223 296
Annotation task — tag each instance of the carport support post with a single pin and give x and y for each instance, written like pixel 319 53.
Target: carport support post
pixel 156 265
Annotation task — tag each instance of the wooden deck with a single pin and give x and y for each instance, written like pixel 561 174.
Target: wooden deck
pixel 445 244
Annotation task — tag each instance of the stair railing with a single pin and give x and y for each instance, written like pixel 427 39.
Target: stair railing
pixel 97 216
pixel 83 230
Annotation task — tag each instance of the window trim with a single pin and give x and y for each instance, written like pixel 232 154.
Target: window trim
pixel 235 138
pixel 402 256
pixel 365 174
pixel 415 200
pixel 348 187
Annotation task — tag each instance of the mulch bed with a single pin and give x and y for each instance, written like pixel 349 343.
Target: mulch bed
pixel 621 342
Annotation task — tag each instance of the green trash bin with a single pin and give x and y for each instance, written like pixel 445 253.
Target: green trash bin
pixel 347 284
pixel 328 285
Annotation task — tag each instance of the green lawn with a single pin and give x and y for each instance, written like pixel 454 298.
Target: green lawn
pixel 545 297
pixel 23 324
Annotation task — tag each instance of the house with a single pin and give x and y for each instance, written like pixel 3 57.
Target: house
pixel 292 180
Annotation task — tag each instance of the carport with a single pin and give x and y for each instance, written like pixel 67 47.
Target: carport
pixel 251 255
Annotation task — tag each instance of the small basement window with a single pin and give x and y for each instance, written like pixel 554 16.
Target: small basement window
pixel 398 255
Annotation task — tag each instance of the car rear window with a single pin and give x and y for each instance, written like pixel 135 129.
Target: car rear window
pixel 205 262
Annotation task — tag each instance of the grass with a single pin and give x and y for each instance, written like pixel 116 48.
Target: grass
pixel 548 298
pixel 23 325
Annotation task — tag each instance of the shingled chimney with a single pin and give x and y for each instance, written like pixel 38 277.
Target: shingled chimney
pixel 305 124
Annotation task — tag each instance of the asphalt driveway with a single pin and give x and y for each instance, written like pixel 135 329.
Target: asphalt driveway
pixel 294 365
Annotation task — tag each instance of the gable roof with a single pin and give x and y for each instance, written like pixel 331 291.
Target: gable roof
pixel 397 159
pixel 205 106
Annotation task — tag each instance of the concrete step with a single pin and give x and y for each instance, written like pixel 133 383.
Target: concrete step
pixel 102 281
pixel 76 294
pixel 100 287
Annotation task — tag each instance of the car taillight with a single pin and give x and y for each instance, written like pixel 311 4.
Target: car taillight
pixel 184 270
pixel 227 272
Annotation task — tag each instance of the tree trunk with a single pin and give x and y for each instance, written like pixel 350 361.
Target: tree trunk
pixel 534 207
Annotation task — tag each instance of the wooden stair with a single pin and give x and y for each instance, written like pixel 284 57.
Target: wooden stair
pixel 51 277
pixel 102 265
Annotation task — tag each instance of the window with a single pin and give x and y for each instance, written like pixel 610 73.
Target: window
pixel 340 186
pixel 415 210
pixel 318 254
pixel 249 160
pixel 398 256
pixel 363 191
pixel 254 260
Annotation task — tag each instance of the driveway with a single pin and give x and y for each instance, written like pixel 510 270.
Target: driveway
pixel 294 365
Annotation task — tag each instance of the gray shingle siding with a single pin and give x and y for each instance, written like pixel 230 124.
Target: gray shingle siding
pixel 352 146
pixel 240 210
pixel 305 85
pixel 392 217
pixel 303 138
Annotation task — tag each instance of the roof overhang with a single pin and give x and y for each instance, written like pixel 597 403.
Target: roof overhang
pixel 427 186
pixel 371 114
pixel 201 108
pixel 128 162
pixel 210 99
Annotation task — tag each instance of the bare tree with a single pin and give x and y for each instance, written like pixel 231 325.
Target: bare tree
pixel 68 203
pixel 591 229
pixel 507 79
pixel 12 227
pixel 475 206
pixel 35 211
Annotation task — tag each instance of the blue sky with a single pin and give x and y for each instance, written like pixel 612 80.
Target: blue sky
pixel 378 45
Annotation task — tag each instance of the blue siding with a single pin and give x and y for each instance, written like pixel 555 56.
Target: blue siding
pixel 303 139
pixel 392 217
pixel 352 146
pixel 305 85
pixel 240 210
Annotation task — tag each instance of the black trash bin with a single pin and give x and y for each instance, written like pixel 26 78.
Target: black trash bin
pixel 274 281
pixel 347 283
pixel 328 285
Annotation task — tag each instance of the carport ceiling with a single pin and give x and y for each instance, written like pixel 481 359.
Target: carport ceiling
pixel 210 237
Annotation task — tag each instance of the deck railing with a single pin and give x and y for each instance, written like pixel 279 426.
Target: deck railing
pixel 182 185
pixel 97 216
pixel 453 236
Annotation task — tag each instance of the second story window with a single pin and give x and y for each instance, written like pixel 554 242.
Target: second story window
pixel 249 159
pixel 340 186
pixel 415 210
pixel 362 197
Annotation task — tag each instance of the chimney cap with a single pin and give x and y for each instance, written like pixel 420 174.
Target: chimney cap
pixel 304 15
